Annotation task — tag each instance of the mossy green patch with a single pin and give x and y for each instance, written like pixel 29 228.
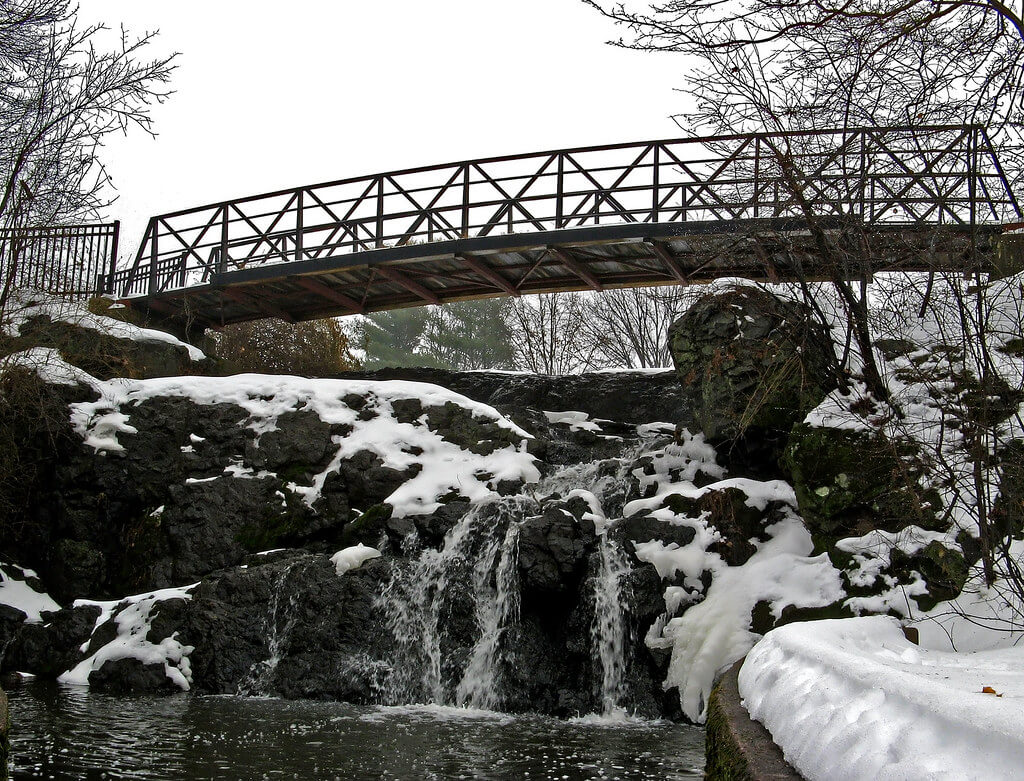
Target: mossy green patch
pixel 724 760
pixel 943 569
pixel 850 482
pixel 368 527
pixel 5 740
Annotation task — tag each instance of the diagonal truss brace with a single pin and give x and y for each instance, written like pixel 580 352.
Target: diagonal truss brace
pixel 577 268
pixel 322 290
pixel 400 279
pixel 491 275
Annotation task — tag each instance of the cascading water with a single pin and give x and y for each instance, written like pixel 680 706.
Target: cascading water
pixel 257 681
pixel 497 608
pixel 609 627
pixel 450 610
pixel 481 551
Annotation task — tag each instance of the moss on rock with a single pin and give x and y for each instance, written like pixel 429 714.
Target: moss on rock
pixel 750 361
pixel 724 760
pixel 943 569
pixel 5 741
pixel 850 482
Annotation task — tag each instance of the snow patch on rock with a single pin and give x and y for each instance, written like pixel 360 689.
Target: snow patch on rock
pixel 353 557
pixel 17 593
pixel 444 466
pixel 133 616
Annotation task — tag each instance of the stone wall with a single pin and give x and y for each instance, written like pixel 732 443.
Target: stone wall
pixel 737 747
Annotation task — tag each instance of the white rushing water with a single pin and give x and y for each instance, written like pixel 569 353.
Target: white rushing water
pixel 479 553
pixel 497 607
pixel 278 626
pixel 609 627
pixel 476 573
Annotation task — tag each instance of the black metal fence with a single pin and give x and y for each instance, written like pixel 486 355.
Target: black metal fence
pixel 66 260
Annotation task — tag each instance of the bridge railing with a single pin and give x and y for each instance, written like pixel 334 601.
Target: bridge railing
pixel 66 260
pixel 943 175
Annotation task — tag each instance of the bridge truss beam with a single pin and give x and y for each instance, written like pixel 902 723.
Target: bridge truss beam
pixel 651 213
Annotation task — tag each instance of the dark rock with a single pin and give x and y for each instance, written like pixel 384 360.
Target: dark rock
pixel 121 676
pixel 553 550
pixel 77 566
pixel 52 648
pixel 300 438
pixel 330 636
pixel 943 569
pixel 103 355
pixel 1008 510
pixel 432 528
pixel 751 364
pixel 629 397
pixel 11 620
pixel 850 482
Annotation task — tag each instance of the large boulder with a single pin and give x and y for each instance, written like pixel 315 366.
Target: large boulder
pixel 851 481
pixel 290 625
pixel 751 364
pixel 160 482
pixel 553 551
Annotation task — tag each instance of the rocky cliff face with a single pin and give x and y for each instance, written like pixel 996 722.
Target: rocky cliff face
pixel 563 545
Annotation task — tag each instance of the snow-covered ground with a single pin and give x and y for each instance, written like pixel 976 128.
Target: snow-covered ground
pixel 854 700
pixel 28 304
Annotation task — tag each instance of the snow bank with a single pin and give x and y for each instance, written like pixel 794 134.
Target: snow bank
pixel 444 466
pixel 852 699
pixel 133 617
pixel 17 593
pixel 27 305
pixel 352 558
pixel 712 635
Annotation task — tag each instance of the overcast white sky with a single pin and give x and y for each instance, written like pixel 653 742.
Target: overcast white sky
pixel 278 94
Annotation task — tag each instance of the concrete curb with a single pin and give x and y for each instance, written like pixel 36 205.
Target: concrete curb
pixel 738 748
pixel 5 723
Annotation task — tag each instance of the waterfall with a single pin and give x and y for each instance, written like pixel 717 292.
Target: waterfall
pixel 477 562
pixel 497 608
pixel 608 630
pixel 449 610
pixel 257 680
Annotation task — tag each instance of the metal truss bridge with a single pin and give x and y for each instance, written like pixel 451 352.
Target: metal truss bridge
pixel 650 213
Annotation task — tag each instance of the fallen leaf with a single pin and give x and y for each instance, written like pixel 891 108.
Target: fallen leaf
pixel 989 690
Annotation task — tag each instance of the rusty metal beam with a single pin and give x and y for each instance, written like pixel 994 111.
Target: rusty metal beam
pixel 248 300
pixel 491 275
pixel 402 280
pixel 575 267
pixel 160 306
pixel 322 290
pixel 667 258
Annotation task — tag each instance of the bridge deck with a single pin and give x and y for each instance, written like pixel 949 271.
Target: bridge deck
pixel 653 213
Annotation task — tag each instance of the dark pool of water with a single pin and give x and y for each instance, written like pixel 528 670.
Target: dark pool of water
pixel 66 732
